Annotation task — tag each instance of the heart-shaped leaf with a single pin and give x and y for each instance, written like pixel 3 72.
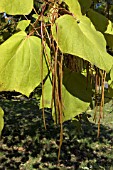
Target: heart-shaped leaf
pixel 80 38
pixel 20 63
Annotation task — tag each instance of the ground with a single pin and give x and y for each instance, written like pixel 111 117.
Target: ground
pixel 26 145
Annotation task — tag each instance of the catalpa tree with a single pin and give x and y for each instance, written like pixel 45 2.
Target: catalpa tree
pixel 62 45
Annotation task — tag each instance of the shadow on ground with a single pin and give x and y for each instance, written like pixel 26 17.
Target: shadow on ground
pixel 26 145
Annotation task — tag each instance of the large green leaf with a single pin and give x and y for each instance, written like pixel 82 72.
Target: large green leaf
pixel 77 85
pixel 20 65
pixel 16 7
pixel 76 94
pixel 100 22
pixel 72 106
pixel 85 6
pixel 80 38
pixel 74 7
pixel 1 120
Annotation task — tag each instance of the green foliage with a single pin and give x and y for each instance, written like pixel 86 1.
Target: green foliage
pixel 74 7
pixel 47 94
pixel 77 85
pixel 109 28
pixel 43 18
pixel 109 40
pixel 79 38
pixel 22 25
pixel 57 29
pixel 62 43
pixel 76 95
pixel 16 7
pixel 20 70
pixel 100 21
pixel 1 120
pixel 111 78
pixel 85 6
pixel 72 106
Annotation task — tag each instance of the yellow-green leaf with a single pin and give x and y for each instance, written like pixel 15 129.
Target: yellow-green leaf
pixel 16 7
pixel 80 38
pixel 22 25
pixel 20 63
pixel 74 7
